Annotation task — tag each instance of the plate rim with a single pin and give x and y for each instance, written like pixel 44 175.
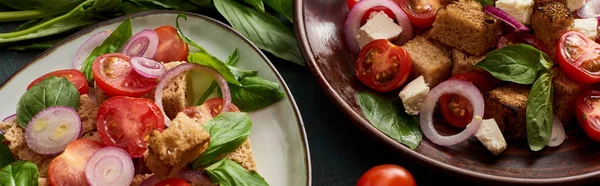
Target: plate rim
pixel 365 126
pixel 89 29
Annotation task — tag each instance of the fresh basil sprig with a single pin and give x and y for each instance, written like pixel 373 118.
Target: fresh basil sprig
pixel 230 173
pixel 519 64
pixel 255 93
pixel 390 119
pixel 52 91
pixel 185 38
pixel 539 112
pixel 111 44
pixel 19 173
pixel 227 132
pixel 204 58
pixel 5 155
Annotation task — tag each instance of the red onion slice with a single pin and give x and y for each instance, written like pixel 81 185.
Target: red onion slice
pixel 353 21
pixel 52 129
pixel 142 44
pixel 110 166
pixel 461 88
pixel 508 19
pixel 182 69
pixel 558 133
pixel 10 118
pixel 148 68
pixel 193 176
pixel 591 9
pixel 87 47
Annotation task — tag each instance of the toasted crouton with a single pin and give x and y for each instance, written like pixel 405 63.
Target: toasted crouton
pixel 170 151
pixel 463 63
pixel 549 21
pixel 463 25
pixel 507 105
pixel 565 96
pixel 15 135
pixel 139 178
pixel 87 112
pixel 174 94
pixel 428 61
pixel 242 155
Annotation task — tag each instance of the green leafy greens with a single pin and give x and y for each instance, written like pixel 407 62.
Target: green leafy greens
pixel 5 155
pixel 229 173
pixel 539 112
pixel 255 93
pixel 52 91
pixel 227 132
pixel 19 173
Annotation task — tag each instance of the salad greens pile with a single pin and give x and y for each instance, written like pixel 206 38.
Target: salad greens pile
pixel 267 26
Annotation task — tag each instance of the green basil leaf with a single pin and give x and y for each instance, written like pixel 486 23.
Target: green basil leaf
pixel 227 132
pixel 181 5
pixel 486 2
pixel 284 7
pixel 240 74
pixel 111 44
pixel 42 5
pixel 59 27
pixel 20 173
pixel 515 63
pixel 390 119
pixel 233 58
pixel 206 59
pixel 5 155
pixel 230 173
pixel 52 91
pixel 264 30
pixel 185 38
pixel 539 112
pixel 203 3
pixel 237 73
pixel 255 93
pixel 258 4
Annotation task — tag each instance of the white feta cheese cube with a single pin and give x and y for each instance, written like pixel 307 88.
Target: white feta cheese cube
pixel 588 27
pixel 519 9
pixel 490 135
pixel 573 4
pixel 413 94
pixel 380 26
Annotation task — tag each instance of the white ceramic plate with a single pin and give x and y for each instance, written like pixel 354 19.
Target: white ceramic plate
pixel 278 137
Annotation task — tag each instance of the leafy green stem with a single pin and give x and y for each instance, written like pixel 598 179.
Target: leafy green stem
pixel 24 15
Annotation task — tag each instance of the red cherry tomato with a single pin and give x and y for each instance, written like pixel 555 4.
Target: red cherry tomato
pixel 173 182
pixel 215 105
pixel 384 175
pixel 522 38
pixel 382 65
pixel 170 46
pixel 588 113
pixel 376 9
pixel 456 109
pixel 579 57
pixel 74 76
pixel 351 3
pixel 126 122
pixel 421 13
pixel 68 169
pixel 114 74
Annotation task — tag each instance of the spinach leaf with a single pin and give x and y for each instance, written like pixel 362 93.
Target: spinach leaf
pixel 111 44
pixel 516 63
pixel 284 7
pixel 206 59
pixel 227 132
pixel 390 119
pixel 264 30
pixel 255 93
pixel 185 38
pixel 539 112
pixel 19 173
pixel 486 2
pixel 258 4
pixel 230 173
pixel 5 155
pixel 52 91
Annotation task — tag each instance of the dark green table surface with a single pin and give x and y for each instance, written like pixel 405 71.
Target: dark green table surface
pixel 339 151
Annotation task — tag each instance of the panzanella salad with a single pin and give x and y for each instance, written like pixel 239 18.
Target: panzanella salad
pixel 160 113
pixel 500 71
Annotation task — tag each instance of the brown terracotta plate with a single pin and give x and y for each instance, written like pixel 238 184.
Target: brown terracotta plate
pixel 319 25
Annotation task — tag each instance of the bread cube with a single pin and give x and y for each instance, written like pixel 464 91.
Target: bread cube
pixel 507 105
pixel 566 91
pixel 428 61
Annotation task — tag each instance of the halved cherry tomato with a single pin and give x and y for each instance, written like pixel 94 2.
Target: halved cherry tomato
pixel 126 122
pixel 382 65
pixel 74 76
pixel 208 109
pixel 170 46
pixel 579 57
pixel 376 9
pixel 588 113
pixel 387 174
pixel 457 110
pixel 421 13
pixel 115 76
pixel 68 169
pixel 351 3
pixel 173 182
pixel 215 105
pixel 522 38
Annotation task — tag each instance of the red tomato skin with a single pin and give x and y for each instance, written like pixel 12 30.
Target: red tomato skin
pixel 173 182
pixel 387 175
pixel 420 19
pixel 68 169
pixel 125 81
pixel 170 46
pixel 385 10
pixel 481 81
pixel 351 3
pixel 215 105
pixel 380 50
pixel 74 76
pixel 588 107
pixel 572 67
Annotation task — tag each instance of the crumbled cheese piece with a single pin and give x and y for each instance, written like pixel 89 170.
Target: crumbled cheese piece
pixel 588 27
pixel 573 4
pixel 380 26
pixel 490 135
pixel 519 9
pixel 413 94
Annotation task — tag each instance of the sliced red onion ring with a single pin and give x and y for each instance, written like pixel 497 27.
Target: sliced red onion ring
pixel 461 88
pixel 110 166
pixel 142 44
pixel 352 25
pixel 193 176
pixel 558 133
pixel 10 118
pixel 591 9
pixel 148 68
pixel 508 19
pixel 87 47
pixel 52 129
pixel 182 69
